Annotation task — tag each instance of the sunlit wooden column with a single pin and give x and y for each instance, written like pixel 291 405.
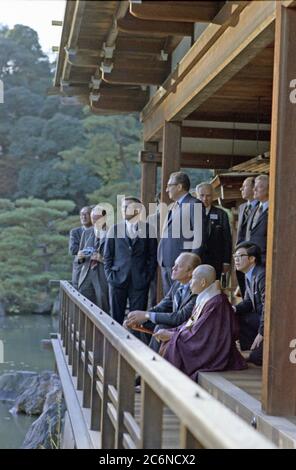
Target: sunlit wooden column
pixel 171 154
pixel 149 176
pixel 279 370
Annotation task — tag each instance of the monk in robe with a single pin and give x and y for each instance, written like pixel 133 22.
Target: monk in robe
pixel 206 342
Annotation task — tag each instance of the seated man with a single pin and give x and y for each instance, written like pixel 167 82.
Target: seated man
pixel 176 307
pixel 250 311
pixel 206 342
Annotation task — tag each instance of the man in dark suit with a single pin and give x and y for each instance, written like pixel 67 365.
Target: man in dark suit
pixel 130 260
pixel 256 231
pixel 219 242
pixel 184 227
pixel 244 212
pixel 250 311
pixel 92 281
pixel 176 307
pixel 74 241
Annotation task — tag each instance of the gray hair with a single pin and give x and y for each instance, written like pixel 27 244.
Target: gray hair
pixel 204 185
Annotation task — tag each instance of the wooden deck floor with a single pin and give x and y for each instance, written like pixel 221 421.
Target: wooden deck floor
pixel 241 392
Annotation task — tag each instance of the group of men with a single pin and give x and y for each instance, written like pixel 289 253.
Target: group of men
pixel 194 326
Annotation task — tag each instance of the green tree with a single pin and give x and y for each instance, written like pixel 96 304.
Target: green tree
pixel 33 250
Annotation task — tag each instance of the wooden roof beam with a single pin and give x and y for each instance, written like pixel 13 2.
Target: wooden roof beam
pixel 253 118
pixel 230 134
pixel 175 11
pixel 131 25
pixel 196 160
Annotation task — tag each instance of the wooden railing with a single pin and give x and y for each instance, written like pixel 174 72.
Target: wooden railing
pixel 104 358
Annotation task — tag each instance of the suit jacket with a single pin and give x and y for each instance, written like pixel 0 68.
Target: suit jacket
pixel 170 247
pixel 130 260
pixel 258 234
pixel 74 242
pixel 171 312
pixel 254 299
pixel 242 223
pixel 89 240
pixel 219 242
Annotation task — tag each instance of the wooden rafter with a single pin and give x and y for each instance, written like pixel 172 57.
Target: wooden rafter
pixel 132 25
pixel 175 11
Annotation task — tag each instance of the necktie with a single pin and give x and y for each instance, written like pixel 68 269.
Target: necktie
pixel 178 297
pixel 247 212
pixel 257 215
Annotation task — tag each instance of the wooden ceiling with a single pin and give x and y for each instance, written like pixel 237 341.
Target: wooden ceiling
pixel 122 46
pixel 247 97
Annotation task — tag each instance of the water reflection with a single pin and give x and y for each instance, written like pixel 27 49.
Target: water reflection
pixel 21 336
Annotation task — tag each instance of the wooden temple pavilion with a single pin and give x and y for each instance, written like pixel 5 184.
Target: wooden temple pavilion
pixel 214 83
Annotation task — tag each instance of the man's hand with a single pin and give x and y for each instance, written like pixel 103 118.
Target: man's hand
pixel 163 335
pixel 237 292
pixel 257 341
pixel 80 255
pixel 136 317
pixel 97 257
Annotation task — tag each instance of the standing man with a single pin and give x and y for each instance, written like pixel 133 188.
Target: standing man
pixel 250 311
pixel 257 224
pixel 92 281
pixel 219 242
pixel 184 227
pixel 74 241
pixel 130 260
pixel 244 212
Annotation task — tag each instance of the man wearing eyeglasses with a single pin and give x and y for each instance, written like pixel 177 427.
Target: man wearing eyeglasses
pixel 184 228
pixel 247 259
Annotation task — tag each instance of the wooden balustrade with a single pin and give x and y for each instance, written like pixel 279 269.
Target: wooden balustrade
pixel 103 359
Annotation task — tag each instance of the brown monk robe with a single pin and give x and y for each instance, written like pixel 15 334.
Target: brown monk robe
pixel 206 342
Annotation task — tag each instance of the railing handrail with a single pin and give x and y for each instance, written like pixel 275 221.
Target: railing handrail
pixel 210 422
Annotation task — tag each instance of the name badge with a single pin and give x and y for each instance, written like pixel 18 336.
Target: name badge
pixel 214 216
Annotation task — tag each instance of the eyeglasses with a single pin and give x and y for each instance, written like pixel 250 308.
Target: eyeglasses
pixel 238 256
pixel 172 184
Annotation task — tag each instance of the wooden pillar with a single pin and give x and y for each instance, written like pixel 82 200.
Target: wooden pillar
pixel 149 177
pixel 171 154
pixel 279 371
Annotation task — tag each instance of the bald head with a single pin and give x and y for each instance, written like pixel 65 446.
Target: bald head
pixel 190 259
pixel 203 276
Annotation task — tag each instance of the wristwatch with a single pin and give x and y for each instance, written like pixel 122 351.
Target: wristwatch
pixel 147 316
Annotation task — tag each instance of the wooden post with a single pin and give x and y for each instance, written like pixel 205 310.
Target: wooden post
pixel 96 403
pixel 74 350
pixel 279 371
pixel 86 377
pixel 126 384
pixel 149 177
pixel 171 154
pixel 81 327
pixel 110 378
pixel 151 421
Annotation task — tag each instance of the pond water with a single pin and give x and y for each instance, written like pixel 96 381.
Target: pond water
pixel 21 336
